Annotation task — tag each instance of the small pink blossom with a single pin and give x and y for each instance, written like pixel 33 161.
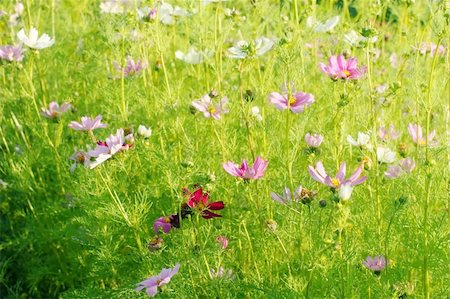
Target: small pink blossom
pixel 376 264
pixel 339 68
pixel 432 48
pixel 165 223
pixel 11 53
pixel 244 171
pixel 388 134
pixel 151 285
pixel 405 166
pixel 88 124
pixel 416 133
pixel 205 105
pixel 54 110
pixel 222 241
pixel 296 102
pixel 111 146
pixel 131 67
pixel 319 174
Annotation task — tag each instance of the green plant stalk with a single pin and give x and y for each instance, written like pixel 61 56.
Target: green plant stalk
pixel 244 112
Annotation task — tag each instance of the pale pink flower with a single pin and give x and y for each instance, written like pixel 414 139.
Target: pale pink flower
pixel 416 133
pixel 54 110
pixel 339 68
pixel 88 124
pixel 151 285
pixel 11 53
pixel 388 134
pixel 319 174
pixel 405 166
pixel 206 106
pixel 296 102
pixel 222 241
pixel 79 157
pixel 131 67
pixel 244 171
pixel 429 47
pixel 313 140
pixel 111 146
pixel 376 264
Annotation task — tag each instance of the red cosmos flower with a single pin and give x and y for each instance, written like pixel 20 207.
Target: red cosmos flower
pixel 199 201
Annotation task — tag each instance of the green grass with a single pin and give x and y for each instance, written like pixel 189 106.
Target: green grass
pixel 85 234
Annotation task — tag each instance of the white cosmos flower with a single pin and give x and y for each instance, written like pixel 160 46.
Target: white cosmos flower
pixel 385 155
pixel 242 49
pixel 362 141
pixel 192 56
pixel 327 26
pixel 167 12
pixel 144 132
pixel 256 113
pixel 355 39
pixel 34 41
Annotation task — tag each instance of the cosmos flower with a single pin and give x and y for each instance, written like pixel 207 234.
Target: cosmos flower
pixel 155 244
pixel 296 102
pixel 363 140
pixel 405 166
pixel 131 67
pixel 339 68
pixel 198 200
pixel 222 241
pixel 147 13
pixel 205 105
pixel 88 124
pixel 79 157
pixel 243 49
pixel 144 131
pixel 345 191
pixel 255 112
pixel 54 110
pixel 385 155
pixel 221 273
pixel 375 264
pixel 300 194
pixel 165 223
pixel 431 48
pixel 319 174
pixel 11 53
pixel 313 140
pixel 416 133
pixel 151 285
pixel 357 40
pixel 192 56
pixel 33 40
pixel 167 13
pixel 111 146
pixel 388 134
pixel 244 171
pixel 326 26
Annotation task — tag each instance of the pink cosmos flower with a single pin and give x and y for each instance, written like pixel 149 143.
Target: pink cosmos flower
pixel 297 102
pixel 244 171
pixel 54 110
pixel 388 134
pixel 165 223
pixel 88 124
pixel 405 166
pixel 111 146
pixel 339 68
pixel 313 140
pixel 319 174
pixel 376 264
pixel 222 241
pixel 300 194
pixel 131 67
pixel 79 157
pixel 198 200
pixel 431 48
pixel 415 131
pixel 205 105
pixel 11 53
pixel 151 285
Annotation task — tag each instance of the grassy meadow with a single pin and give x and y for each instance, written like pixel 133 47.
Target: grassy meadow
pixel 88 211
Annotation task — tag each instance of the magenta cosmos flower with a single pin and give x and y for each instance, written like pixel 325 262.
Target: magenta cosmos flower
pixel 151 285
pixel 165 223
pixel 131 67
pixel 319 174
pixel 88 124
pixel 297 102
pixel 339 68
pixel 376 264
pixel 222 241
pixel 54 110
pixel 244 171
pixel 206 106
pixel 199 200
pixel 11 53
pixel 416 133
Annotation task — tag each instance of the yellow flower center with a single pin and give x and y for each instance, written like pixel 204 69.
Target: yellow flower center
pixel 347 73
pixel 422 142
pixel 80 158
pixel 212 110
pixel 292 101
pixel 166 219
pixel 335 182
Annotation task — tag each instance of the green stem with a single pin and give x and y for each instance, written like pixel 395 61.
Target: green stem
pixel 244 112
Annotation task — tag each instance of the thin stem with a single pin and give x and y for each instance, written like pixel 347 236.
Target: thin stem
pixel 244 113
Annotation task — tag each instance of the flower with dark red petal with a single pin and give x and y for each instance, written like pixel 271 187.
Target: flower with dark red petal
pixel 198 200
